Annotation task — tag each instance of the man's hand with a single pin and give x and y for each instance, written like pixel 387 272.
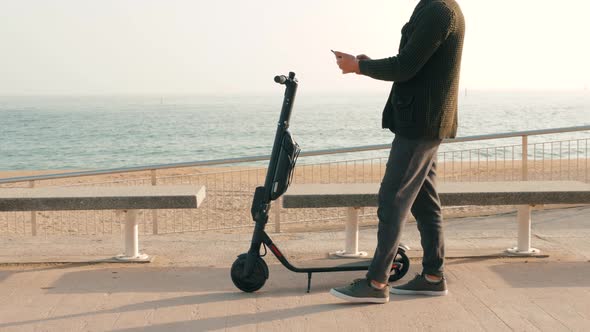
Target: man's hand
pixel 362 57
pixel 348 63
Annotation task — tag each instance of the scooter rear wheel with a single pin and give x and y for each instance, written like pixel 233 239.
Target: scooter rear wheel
pixel 400 266
pixel 252 282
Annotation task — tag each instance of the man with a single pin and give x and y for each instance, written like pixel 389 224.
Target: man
pixel 421 111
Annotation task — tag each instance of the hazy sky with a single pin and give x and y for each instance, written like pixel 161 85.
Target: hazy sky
pixel 237 46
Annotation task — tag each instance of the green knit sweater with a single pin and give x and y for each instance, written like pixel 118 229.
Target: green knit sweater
pixel 423 99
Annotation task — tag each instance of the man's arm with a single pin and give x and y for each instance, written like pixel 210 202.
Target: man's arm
pixel 431 30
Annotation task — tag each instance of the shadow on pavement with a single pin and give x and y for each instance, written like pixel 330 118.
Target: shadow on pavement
pixel 210 285
pixel 217 323
pixel 5 274
pixel 544 274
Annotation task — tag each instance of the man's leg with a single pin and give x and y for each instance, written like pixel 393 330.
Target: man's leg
pixel 428 212
pixel 407 168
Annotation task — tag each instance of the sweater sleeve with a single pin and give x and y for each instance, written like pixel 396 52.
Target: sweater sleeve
pixel 432 27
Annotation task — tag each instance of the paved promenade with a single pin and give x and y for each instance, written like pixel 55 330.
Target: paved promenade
pixel 187 287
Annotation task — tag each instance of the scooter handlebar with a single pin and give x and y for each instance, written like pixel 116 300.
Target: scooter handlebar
pixel 281 79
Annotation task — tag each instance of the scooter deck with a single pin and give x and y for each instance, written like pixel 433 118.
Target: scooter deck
pixel 331 265
pixel 345 264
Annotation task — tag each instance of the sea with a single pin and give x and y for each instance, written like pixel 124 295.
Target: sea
pixel 101 132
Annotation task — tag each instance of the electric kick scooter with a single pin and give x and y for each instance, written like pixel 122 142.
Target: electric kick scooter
pixel 249 271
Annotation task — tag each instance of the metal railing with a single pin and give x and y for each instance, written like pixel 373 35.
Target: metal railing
pixel 231 182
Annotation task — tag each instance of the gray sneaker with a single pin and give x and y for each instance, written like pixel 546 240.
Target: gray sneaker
pixel 420 286
pixel 360 291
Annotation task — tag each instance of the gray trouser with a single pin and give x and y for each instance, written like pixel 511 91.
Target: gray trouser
pixel 409 184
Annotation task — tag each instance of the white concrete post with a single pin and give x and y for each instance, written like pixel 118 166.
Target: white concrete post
pixel 33 214
pixel 351 241
pixel 154 212
pixel 524 233
pixel 131 234
pixel 352 234
pixel 525 159
pixel 132 239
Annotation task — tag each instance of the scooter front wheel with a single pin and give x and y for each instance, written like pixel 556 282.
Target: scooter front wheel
pixel 400 266
pixel 252 282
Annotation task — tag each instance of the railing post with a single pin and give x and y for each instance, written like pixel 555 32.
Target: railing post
pixel 154 212
pixel 525 157
pixel 33 214
pixel 277 207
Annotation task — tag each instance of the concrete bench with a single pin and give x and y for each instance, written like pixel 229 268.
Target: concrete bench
pixel 127 199
pixel 524 194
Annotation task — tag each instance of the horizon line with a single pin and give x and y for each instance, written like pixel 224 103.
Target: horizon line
pixel 258 93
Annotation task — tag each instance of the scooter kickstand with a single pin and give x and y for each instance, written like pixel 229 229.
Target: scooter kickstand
pixel 308 281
